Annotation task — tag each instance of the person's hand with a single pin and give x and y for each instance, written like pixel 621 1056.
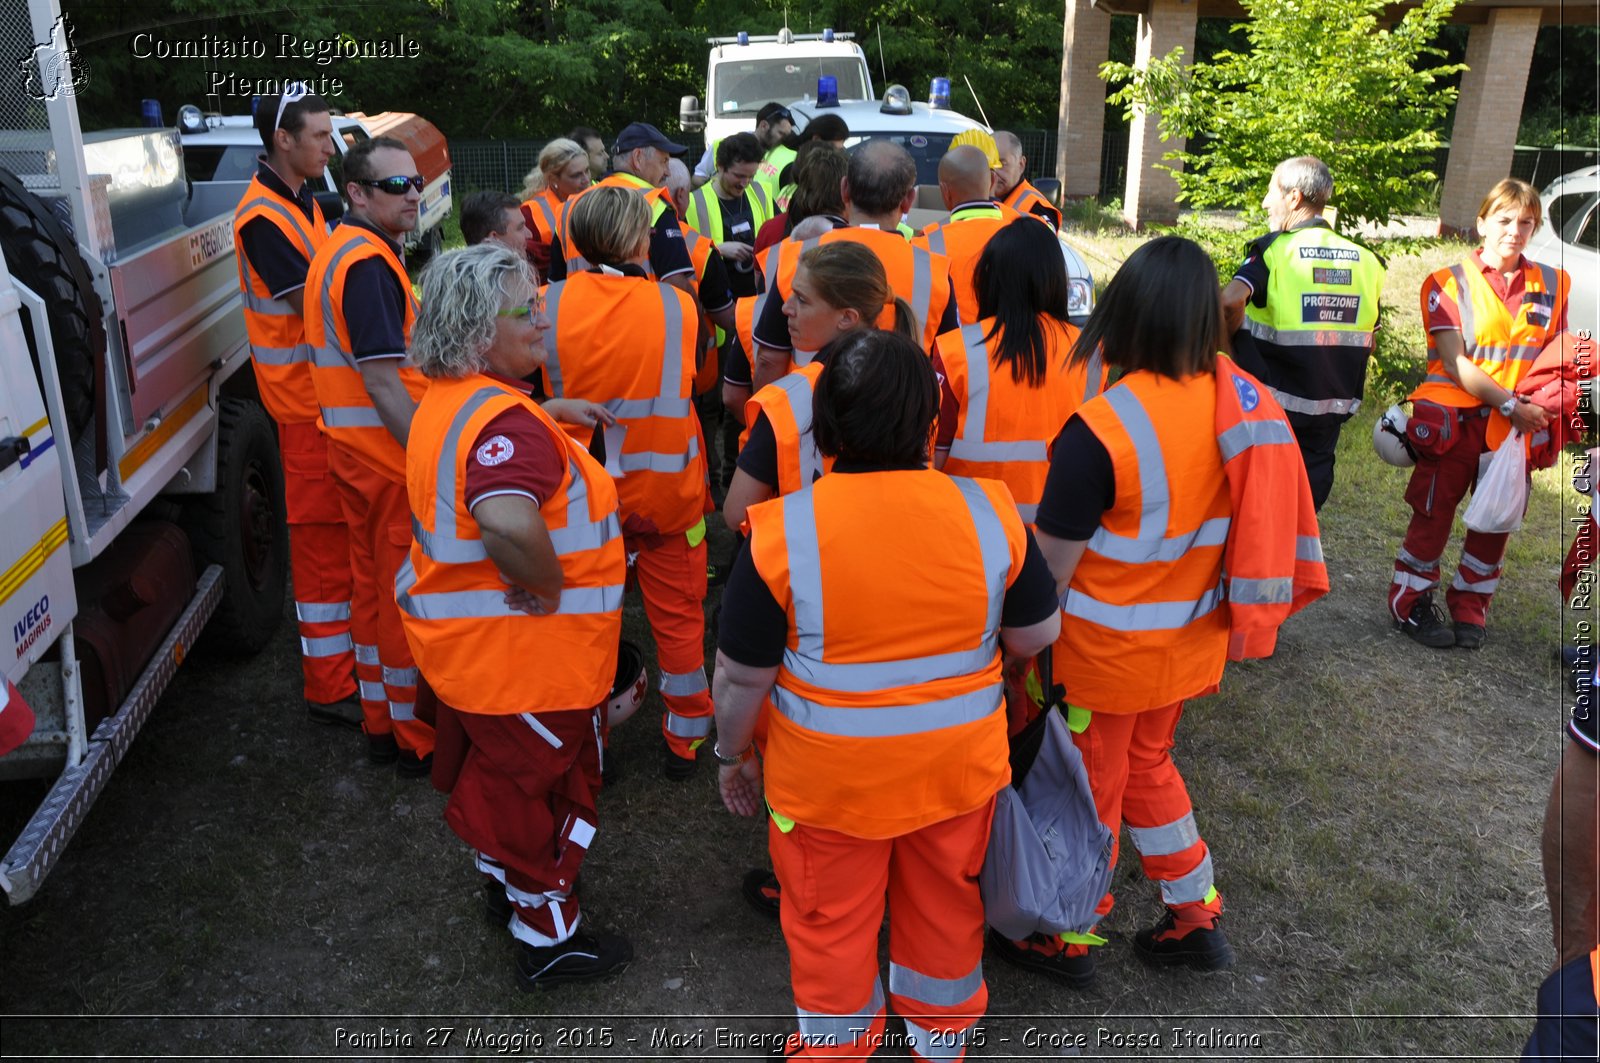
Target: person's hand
pixel 579 411
pixel 740 785
pixel 1528 417
pixel 734 251
pixel 1583 471
pixel 524 601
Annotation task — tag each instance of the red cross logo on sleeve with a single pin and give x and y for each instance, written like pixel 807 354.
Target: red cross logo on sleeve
pixel 495 451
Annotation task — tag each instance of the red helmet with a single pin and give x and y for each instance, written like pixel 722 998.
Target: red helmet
pixel 630 687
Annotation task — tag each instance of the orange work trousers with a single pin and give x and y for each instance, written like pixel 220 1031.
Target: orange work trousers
pixel 379 518
pixel 1128 757
pixel 672 579
pixel 319 559
pixel 834 886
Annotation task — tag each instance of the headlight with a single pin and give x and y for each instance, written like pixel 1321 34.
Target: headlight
pixel 1080 296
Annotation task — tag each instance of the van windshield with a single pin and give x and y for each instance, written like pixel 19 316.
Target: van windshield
pixel 745 86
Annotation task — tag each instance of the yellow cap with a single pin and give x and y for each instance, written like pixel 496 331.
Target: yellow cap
pixel 981 140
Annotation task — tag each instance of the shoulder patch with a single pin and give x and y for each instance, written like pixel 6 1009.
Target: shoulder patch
pixel 1249 397
pixel 495 451
pixel 1433 300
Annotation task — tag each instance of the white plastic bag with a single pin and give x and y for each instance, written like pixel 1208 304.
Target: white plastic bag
pixel 1502 492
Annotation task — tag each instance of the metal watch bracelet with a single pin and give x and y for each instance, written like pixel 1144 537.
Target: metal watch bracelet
pixel 727 761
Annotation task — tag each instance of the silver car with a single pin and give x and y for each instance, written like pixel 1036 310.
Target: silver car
pixel 1570 239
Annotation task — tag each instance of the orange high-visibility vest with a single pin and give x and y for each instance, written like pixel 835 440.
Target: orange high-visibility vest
pixel 476 652
pixel 655 197
pixel 787 404
pixel 543 211
pixel 1026 199
pixel 700 249
pixel 1501 345
pixel 915 274
pixel 628 344
pixel 277 333
pixel 1005 428
pixel 880 722
pixel 961 238
pixel 1143 621
pixel 348 415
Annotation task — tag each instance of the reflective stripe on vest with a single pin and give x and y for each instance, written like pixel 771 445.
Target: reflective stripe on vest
pixel 806 663
pixel 467 605
pixel 798 394
pixel 542 206
pixel 1490 353
pixel 441 544
pixel 969 445
pixel 1295 404
pixel 1152 544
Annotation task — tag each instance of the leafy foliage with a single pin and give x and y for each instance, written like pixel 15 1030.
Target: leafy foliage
pixel 1321 77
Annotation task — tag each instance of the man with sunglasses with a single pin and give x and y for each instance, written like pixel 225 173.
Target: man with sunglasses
pixel 358 321
pixel 278 228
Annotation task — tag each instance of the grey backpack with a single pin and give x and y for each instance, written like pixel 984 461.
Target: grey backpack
pixel 1049 858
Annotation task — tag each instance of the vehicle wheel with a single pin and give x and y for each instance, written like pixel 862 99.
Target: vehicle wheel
pixel 431 244
pixel 242 527
pixel 41 255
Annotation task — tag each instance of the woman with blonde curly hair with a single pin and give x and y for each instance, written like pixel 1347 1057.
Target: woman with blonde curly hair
pixel 511 600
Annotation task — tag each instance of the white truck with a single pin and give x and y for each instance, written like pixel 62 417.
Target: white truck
pixel 139 476
pixel 744 73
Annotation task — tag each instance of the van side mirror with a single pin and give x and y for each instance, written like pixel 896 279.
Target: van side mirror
pixel 1049 188
pixel 332 204
pixel 691 116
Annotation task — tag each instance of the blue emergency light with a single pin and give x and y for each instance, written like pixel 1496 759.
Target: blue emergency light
pixel 744 37
pixel 827 34
pixel 939 94
pixel 150 110
pixel 827 91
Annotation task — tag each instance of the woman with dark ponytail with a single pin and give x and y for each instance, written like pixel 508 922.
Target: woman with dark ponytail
pixel 839 289
pixel 1008 385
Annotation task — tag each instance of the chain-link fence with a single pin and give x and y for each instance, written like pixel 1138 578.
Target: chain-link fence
pixel 502 164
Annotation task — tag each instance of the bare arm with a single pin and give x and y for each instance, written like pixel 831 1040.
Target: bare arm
pixel 1062 555
pixel 578 411
pixel 940 456
pixel 734 396
pixel 769 366
pixel 1025 642
pixel 738 691
pixel 1452 351
pixel 1235 294
pixel 395 408
pixel 296 299
pixel 519 544
pixel 744 491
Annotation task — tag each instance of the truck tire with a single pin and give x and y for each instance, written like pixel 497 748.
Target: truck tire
pixel 431 243
pixel 41 255
pixel 242 527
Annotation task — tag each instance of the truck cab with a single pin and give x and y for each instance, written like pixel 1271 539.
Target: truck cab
pixel 745 72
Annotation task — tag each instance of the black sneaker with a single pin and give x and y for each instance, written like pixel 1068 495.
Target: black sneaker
pixel 382 749
pixel 346 712
pixel 1203 948
pixel 497 907
pixel 411 766
pixel 585 955
pixel 760 888
pixel 1072 964
pixel 674 767
pixel 1426 625
pixel 1468 636
pixel 717 575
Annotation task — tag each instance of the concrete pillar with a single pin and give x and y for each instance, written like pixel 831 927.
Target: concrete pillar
pixel 1152 194
pixel 1081 126
pixel 1499 53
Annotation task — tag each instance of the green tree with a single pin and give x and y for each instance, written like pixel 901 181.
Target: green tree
pixel 1321 77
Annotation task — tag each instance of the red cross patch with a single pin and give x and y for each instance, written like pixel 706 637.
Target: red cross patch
pixel 495 451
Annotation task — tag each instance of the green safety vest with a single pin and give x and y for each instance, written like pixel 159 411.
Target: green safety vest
pixel 771 166
pixel 1315 333
pixel 705 212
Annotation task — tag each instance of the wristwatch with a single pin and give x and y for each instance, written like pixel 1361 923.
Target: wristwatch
pixel 1507 406
pixel 727 761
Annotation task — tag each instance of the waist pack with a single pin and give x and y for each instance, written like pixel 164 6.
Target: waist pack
pixel 1049 857
pixel 1431 429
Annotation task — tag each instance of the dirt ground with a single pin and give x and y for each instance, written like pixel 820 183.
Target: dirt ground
pixel 249 885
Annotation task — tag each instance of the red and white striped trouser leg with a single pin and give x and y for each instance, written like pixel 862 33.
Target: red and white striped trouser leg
pixel 1477 577
pixel 356 482
pixel 319 558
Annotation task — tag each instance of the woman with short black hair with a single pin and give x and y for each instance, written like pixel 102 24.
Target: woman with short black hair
pixel 867 617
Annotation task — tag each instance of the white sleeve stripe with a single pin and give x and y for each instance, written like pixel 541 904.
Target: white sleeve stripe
pixel 501 491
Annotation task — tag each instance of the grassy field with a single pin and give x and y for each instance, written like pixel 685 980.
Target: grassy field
pixel 249 885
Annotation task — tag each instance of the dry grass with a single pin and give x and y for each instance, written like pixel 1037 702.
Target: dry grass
pixel 1373 808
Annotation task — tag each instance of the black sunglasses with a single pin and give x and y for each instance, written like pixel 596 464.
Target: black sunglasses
pixel 395 186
